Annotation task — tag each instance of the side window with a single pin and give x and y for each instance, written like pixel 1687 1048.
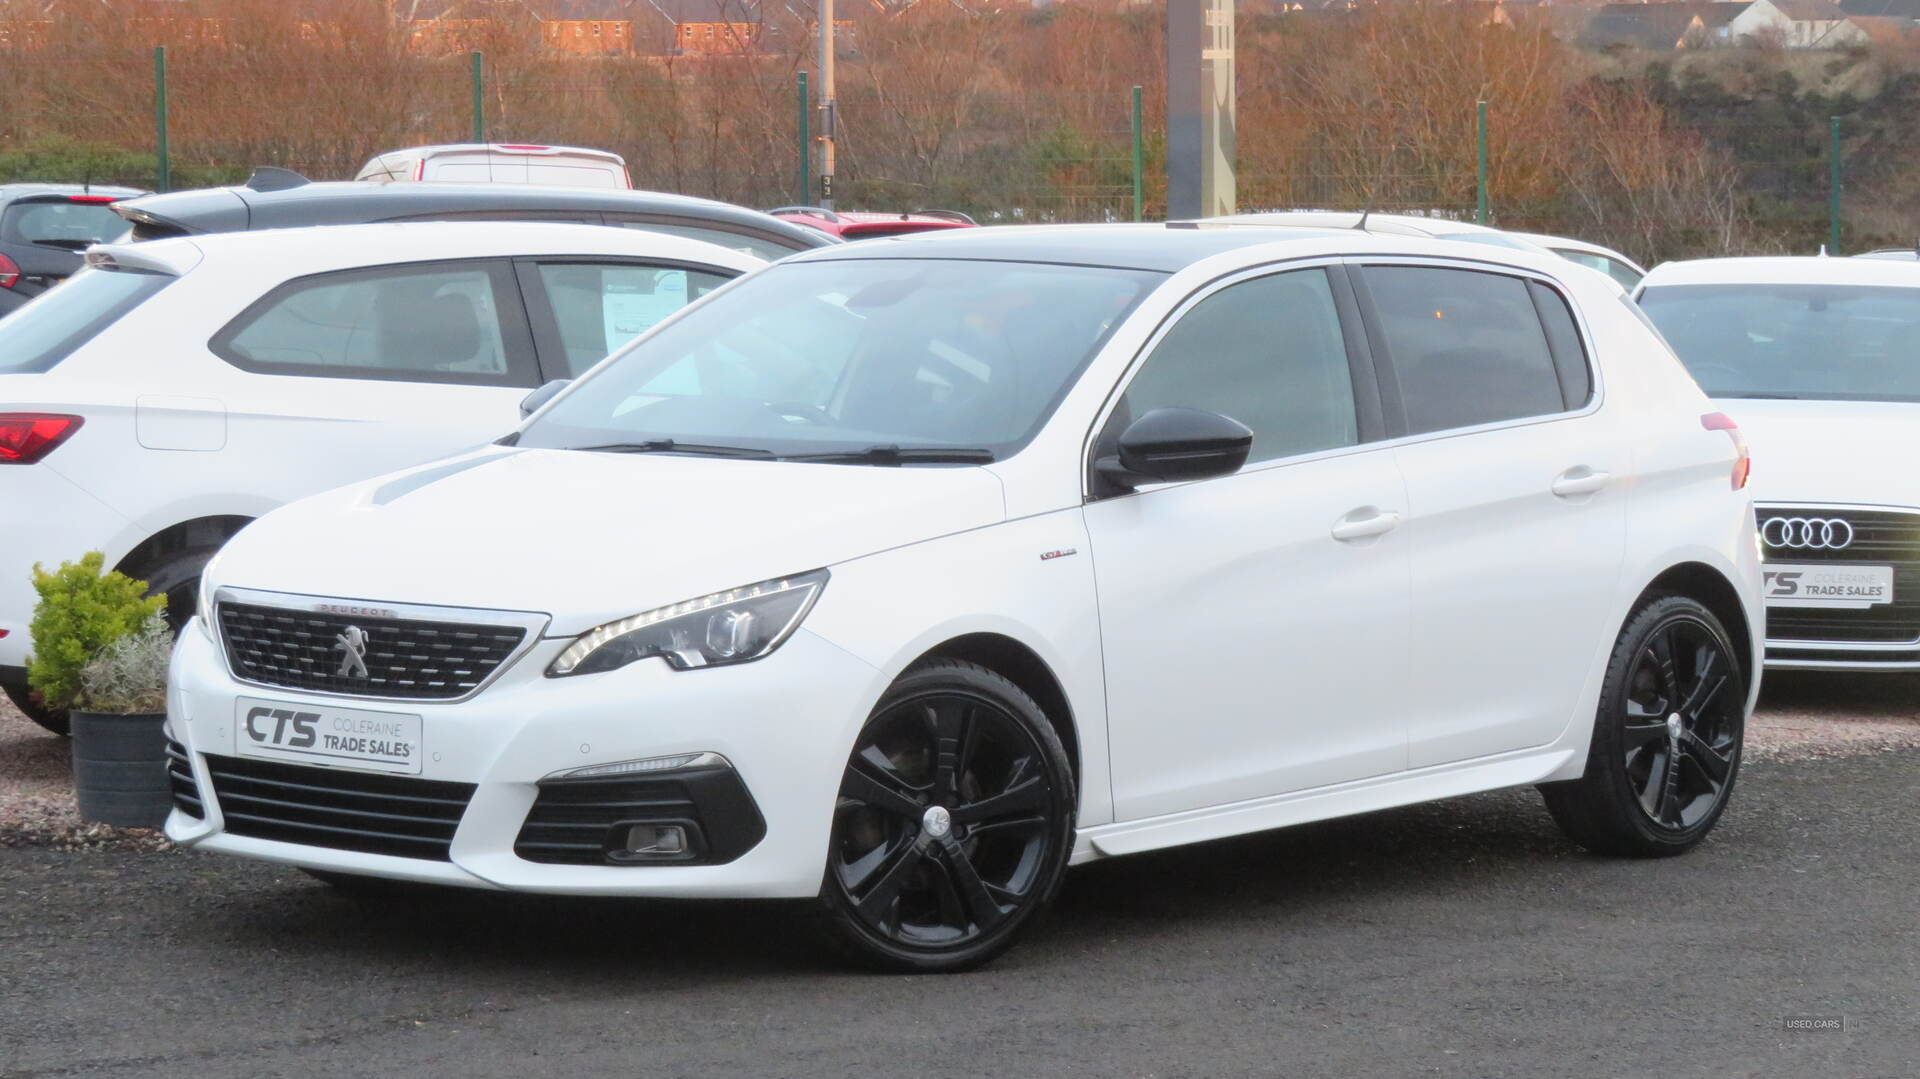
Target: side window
pixel 1563 337
pixel 1467 346
pixel 598 307
pixel 1267 352
pixel 433 322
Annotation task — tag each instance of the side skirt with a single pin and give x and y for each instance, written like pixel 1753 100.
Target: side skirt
pixel 1321 803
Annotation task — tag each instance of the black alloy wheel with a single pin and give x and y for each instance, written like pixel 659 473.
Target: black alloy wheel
pixel 953 823
pixel 1667 741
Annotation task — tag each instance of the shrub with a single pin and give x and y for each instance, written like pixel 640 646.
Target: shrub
pixel 81 611
pixel 129 676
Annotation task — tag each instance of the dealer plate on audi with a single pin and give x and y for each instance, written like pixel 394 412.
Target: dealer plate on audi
pixel 1856 587
pixel 322 734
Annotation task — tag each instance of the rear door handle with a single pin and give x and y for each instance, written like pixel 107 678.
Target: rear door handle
pixel 1365 522
pixel 1580 480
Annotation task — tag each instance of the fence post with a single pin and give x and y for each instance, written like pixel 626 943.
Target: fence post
pixel 1833 190
pixel 806 142
pixel 1139 161
pixel 479 100
pixel 163 164
pixel 1480 204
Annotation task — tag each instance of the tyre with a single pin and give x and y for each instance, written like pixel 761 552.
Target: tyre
pixel 177 576
pixel 53 719
pixel 953 824
pixel 1667 739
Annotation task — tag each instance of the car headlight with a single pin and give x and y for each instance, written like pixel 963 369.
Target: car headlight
pixel 734 626
pixel 203 610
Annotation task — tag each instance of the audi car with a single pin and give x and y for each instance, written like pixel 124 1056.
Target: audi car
pixel 900 576
pixel 1815 358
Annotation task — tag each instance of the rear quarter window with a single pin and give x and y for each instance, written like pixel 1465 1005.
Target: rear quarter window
pixel 55 325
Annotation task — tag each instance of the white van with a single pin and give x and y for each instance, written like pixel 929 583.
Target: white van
pixel 499 163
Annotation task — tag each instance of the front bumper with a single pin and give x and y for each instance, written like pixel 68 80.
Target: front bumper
pixel 784 724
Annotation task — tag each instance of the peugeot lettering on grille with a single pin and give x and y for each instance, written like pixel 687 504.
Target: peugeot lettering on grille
pixel 1807 533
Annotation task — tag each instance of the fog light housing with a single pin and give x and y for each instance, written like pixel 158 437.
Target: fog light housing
pixel 653 841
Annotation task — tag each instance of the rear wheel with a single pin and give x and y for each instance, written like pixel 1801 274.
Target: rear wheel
pixel 953 824
pixel 53 719
pixel 1667 740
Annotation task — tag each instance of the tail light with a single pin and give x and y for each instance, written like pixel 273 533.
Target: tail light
pixel 9 272
pixel 26 437
pixel 1743 466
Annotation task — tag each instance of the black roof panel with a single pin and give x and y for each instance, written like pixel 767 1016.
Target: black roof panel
pixel 354 202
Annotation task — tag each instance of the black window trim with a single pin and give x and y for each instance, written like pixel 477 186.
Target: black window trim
pixel 549 348
pixel 1387 374
pixel 1367 392
pixel 515 333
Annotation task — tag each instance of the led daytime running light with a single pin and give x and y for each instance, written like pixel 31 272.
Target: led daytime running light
pixel 599 637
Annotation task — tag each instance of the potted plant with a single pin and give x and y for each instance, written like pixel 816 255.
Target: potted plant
pixel 100 649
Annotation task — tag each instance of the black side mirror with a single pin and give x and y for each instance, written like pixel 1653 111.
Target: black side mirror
pixel 531 403
pixel 1177 444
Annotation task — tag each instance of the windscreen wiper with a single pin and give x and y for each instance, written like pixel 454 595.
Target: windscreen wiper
pixel 668 445
pixel 900 455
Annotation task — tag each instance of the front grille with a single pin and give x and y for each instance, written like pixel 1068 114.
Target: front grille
pixel 405 658
pixel 578 821
pixel 1880 538
pixel 186 793
pixel 330 807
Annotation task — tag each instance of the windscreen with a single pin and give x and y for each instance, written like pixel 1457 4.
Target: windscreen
pixel 44 332
pixel 842 355
pixel 1824 342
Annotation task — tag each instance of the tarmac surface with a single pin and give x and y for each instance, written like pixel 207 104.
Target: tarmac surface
pixel 1461 938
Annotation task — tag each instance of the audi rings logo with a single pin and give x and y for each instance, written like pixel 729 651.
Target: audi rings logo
pixel 1807 533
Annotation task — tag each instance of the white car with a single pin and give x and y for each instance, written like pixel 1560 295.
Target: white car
pixel 1816 358
pixel 903 574
pixel 1591 255
pixel 499 163
pixel 175 390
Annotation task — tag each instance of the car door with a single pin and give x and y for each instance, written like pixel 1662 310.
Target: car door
pixel 344 375
pixel 583 309
pixel 1254 626
pixel 1517 479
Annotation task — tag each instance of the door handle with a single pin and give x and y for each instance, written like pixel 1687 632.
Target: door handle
pixel 1580 480
pixel 1365 522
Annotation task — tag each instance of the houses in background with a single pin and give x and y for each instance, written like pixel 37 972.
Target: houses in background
pixel 1706 24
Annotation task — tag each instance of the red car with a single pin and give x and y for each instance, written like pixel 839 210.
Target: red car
pixel 863 225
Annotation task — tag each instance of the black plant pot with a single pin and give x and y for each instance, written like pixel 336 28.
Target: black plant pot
pixel 120 769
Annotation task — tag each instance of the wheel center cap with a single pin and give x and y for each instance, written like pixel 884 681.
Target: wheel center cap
pixel 1673 726
pixel 937 822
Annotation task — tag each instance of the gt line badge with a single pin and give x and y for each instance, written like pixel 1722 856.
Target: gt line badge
pixel 1062 553
pixel 353 645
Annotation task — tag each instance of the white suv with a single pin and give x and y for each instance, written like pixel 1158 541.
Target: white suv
pixel 1816 357
pixel 176 390
pixel 904 574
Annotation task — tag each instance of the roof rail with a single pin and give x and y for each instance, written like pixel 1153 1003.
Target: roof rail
pixel 950 215
pixel 810 211
pixel 269 178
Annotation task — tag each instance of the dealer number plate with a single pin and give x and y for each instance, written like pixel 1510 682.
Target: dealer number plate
pixel 1856 587
pixel 320 734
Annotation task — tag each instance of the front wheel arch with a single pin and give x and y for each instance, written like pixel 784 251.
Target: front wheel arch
pixel 1021 665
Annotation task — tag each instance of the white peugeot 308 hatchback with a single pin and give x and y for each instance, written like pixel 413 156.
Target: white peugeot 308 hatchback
pixel 904 575
pixel 1816 358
